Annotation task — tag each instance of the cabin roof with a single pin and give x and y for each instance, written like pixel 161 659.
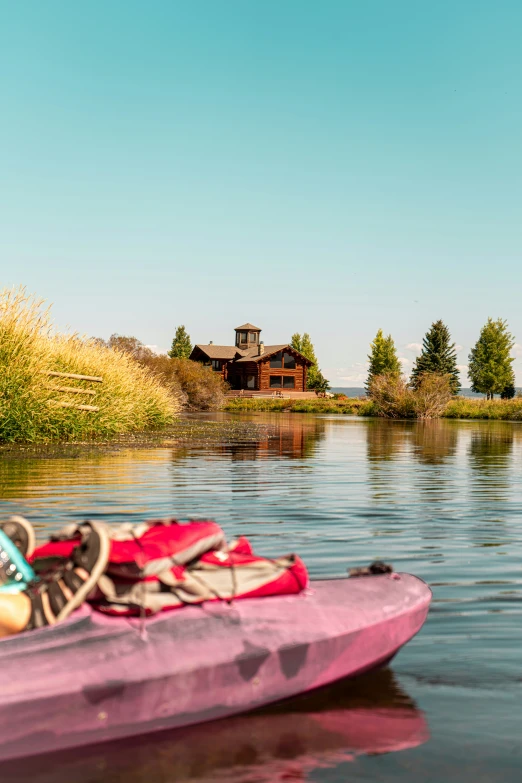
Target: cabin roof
pixel 220 351
pixel 247 327
pixel 230 352
pixel 252 355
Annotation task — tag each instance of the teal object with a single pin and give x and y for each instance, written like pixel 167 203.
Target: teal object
pixel 15 572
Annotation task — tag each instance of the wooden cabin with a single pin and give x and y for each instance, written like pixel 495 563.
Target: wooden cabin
pixel 251 365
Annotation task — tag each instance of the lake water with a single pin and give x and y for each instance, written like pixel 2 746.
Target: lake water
pixel 441 499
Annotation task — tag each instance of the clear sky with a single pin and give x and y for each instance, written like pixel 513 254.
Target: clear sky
pixel 331 167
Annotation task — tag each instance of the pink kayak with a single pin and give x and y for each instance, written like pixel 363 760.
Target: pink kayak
pixel 95 678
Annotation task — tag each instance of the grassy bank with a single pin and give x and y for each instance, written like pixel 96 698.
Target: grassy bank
pixel 320 405
pixel 34 406
pixel 458 408
pixel 501 410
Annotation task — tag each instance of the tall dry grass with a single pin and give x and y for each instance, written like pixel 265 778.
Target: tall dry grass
pixel 130 397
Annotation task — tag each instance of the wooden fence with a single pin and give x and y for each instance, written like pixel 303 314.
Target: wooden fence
pixel 73 389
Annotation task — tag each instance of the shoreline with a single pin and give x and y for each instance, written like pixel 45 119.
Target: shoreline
pixel 198 428
pixel 458 408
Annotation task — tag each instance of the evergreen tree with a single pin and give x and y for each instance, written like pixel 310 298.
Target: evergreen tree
pixel 490 365
pixel 315 379
pixel 509 391
pixel 438 355
pixel 383 358
pixel 181 346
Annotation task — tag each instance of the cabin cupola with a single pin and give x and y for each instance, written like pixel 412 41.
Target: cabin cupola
pixel 247 336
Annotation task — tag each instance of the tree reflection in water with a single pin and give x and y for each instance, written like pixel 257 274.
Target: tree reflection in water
pixel 293 436
pixel 435 441
pixel 386 440
pixel 490 455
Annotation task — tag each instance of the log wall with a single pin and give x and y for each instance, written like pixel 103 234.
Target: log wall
pixel 266 371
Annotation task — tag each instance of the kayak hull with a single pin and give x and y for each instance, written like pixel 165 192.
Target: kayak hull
pixel 96 678
pixel 285 741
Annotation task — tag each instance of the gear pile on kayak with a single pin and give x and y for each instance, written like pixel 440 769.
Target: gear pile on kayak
pixel 143 569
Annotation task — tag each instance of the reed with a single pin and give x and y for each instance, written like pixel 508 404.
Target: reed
pixel 129 399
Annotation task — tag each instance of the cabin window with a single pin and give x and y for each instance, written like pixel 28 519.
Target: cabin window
pixel 216 364
pixel 288 361
pixel 253 337
pixel 282 359
pixel 251 382
pixel 282 382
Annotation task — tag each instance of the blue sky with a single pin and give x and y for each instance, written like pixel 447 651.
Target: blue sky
pixel 329 167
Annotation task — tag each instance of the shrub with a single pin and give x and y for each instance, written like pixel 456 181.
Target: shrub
pixel 393 398
pixel 129 398
pixel 432 394
pixel 199 387
pixel 195 386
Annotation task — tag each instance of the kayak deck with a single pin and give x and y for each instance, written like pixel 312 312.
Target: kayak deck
pixel 95 678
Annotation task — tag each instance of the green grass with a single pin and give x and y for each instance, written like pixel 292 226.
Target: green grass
pixel 320 405
pixel 473 408
pixel 129 399
pixel 458 408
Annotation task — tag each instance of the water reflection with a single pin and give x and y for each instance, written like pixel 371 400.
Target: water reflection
pixel 434 442
pixel 491 448
pixel 386 440
pixel 430 442
pixel 287 437
pixel 369 715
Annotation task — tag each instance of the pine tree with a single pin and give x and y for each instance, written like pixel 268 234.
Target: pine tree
pixel 383 358
pixel 438 355
pixel 181 346
pixel 490 365
pixel 509 391
pixel 315 378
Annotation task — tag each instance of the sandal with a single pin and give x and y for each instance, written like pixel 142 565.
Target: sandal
pixel 21 533
pixel 65 589
pixel 17 541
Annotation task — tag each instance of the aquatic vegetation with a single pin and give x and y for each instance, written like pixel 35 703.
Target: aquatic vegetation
pixel 37 407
